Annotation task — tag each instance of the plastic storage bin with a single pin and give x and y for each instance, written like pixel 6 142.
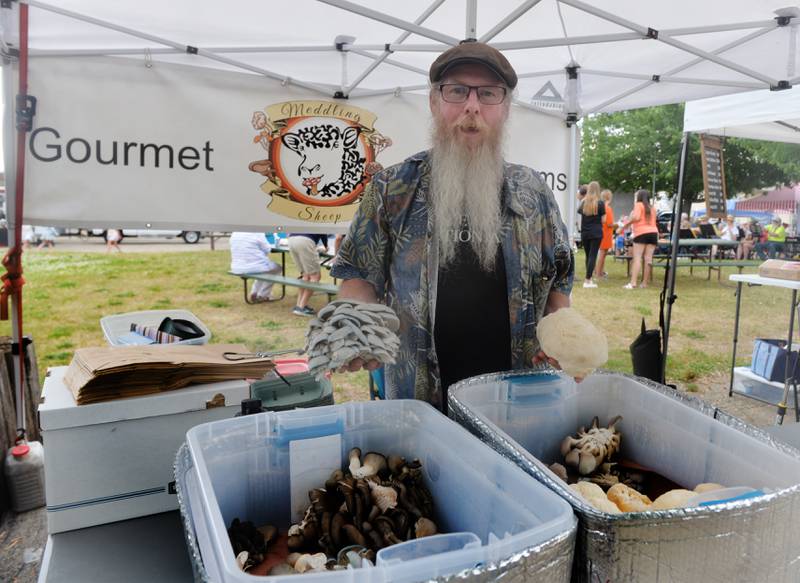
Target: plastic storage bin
pixel 24 473
pixel 115 326
pixel 526 416
pixel 770 358
pixel 490 508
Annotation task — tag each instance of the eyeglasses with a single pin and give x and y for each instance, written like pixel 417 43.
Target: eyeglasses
pixel 487 94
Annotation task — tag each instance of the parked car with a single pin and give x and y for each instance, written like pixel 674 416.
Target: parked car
pixel 190 237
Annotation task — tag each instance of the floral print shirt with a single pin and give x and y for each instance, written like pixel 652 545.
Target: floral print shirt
pixel 390 245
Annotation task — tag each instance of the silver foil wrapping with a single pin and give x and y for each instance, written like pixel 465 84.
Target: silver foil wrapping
pixel 757 540
pixel 550 562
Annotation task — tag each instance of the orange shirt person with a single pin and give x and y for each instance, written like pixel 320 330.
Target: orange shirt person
pixel 645 238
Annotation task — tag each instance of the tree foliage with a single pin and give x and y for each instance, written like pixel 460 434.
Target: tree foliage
pixel 627 150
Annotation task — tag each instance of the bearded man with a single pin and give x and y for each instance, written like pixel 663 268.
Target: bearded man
pixel 468 250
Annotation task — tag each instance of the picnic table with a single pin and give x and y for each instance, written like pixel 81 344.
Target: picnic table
pixel 330 289
pixel 700 254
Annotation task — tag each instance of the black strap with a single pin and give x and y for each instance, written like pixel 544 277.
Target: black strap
pixel 183 329
pixel 644 328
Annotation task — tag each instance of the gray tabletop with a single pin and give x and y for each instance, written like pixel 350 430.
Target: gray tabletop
pixel 151 548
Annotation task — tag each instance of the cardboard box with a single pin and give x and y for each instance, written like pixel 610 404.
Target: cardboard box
pixel 779 269
pixel 114 460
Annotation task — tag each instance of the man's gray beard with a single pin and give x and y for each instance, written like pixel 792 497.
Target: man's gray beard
pixel 466 184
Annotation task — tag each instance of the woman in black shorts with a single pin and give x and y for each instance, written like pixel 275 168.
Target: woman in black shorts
pixel 645 238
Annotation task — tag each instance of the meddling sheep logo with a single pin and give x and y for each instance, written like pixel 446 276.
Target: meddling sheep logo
pixel 321 155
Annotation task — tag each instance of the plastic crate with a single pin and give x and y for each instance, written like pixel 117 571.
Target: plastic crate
pixel 527 415
pixel 490 508
pixel 115 326
pixel 770 358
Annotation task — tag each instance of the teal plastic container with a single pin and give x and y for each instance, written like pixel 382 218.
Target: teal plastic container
pixel 303 391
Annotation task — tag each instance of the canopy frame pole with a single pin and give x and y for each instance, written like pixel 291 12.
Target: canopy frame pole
pixel 395 90
pixel 679 68
pixel 110 52
pixel 471 25
pixel 392 62
pixel 343 58
pixel 572 179
pixel 665 38
pixel 512 17
pixel 180 47
pixel 399 40
pixel 398 45
pixel 671 269
pixel 391 20
pixel 791 65
pixel 671 79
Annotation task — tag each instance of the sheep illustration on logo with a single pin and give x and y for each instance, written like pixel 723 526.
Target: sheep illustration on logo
pixel 320 154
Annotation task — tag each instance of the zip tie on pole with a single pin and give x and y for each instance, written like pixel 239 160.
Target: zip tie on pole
pixel 191 50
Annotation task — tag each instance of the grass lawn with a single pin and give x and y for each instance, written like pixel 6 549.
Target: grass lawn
pixel 66 294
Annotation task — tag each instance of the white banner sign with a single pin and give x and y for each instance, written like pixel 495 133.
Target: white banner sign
pixel 118 144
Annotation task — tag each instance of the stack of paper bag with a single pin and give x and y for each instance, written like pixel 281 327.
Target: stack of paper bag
pixel 115 372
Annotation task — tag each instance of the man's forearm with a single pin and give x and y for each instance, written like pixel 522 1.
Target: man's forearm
pixel 555 301
pixel 358 289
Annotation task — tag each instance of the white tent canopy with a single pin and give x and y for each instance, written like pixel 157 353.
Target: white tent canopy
pixel 628 53
pixel 761 115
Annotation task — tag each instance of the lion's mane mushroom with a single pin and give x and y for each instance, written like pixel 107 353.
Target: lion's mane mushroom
pixel 591 448
pixel 572 340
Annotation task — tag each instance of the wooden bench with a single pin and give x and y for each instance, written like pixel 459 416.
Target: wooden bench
pixel 325 288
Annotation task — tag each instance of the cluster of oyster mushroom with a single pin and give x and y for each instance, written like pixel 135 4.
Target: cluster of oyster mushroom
pixel 375 502
pixel 348 329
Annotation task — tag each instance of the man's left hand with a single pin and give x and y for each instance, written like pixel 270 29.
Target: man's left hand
pixel 541 357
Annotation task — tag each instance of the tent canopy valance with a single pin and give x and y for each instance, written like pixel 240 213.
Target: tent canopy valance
pixel 783 199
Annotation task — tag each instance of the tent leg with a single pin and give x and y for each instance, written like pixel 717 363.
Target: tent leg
pixel 671 271
pixel 572 180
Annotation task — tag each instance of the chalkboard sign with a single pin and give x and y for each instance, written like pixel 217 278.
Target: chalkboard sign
pixel 713 176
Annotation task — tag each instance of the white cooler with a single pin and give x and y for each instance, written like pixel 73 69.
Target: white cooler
pixel 112 461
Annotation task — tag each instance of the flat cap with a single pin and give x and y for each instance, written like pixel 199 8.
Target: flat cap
pixel 473 52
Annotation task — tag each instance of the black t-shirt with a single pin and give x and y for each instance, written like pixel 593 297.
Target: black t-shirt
pixel 591 227
pixel 472 331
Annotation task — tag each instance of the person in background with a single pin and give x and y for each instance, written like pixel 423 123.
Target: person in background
pixel 776 240
pixel 48 237
pixel 607 243
pixel 250 254
pixel 303 248
pixel 593 212
pixel 730 231
pixel 113 238
pixel 746 241
pixel 645 238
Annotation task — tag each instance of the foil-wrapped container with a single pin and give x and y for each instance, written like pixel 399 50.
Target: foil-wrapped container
pixel 525 415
